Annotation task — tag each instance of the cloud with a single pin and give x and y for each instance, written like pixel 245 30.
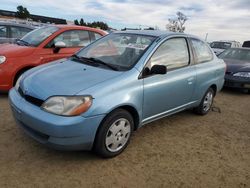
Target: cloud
pixel 221 19
pixel 192 7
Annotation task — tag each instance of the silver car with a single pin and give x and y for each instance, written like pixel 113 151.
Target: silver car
pixel 9 32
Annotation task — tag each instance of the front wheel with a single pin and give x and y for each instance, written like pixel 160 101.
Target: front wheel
pixel 114 133
pixel 206 102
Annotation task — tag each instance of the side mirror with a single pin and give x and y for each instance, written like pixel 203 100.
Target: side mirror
pixel 58 46
pixel 158 69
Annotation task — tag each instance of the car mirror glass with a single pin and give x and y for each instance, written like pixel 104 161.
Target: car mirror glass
pixel 158 69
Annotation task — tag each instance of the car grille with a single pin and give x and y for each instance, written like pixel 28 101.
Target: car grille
pixel 30 99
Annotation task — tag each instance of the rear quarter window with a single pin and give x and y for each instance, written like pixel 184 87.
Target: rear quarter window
pixel 94 36
pixel 202 51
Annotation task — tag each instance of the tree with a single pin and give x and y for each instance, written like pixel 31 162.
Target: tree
pixel 76 22
pixel 22 12
pixel 100 25
pixel 95 24
pixel 82 22
pixel 177 24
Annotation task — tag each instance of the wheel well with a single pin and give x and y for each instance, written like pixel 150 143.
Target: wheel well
pixel 19 73
pixel 129 109
pixel 214 87
pixel 134 114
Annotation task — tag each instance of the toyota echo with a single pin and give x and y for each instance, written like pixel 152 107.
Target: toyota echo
pixel 99 96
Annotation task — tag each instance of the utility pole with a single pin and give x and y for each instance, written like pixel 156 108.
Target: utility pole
pixel 206 37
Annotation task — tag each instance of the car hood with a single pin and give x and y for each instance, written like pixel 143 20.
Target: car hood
pixel 234 66
pixel 14 50
pixel 63 78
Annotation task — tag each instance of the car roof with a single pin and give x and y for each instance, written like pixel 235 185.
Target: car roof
pixel 73 26
pixel 156 33
pixel 16 24
pixel 226 41
pixel 60 26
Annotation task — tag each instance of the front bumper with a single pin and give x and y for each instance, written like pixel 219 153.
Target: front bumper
pixel 237 82
pixel 5 78
pixel 59 132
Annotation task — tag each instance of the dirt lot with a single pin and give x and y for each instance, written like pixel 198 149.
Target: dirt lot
pixel 184 150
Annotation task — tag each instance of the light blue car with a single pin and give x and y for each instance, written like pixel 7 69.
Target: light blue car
pixel 99 96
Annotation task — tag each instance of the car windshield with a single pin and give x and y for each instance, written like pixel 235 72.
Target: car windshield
pixel 36 37
pixel 236 54
pixel 220 45
pixel 118 50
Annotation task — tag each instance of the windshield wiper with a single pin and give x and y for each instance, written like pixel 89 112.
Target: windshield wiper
pixel 96 60
pixel 92 61
pixel 23 42
pixel 80 59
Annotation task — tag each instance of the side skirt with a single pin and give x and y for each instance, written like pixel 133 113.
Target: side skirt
pixel 168 113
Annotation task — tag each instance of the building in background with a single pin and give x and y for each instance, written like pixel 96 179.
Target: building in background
pixel 6 15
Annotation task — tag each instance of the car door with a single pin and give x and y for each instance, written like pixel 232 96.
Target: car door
pixel 73 39
pixel 173 90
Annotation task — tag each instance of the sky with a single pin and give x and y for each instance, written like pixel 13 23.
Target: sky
pixel 221 19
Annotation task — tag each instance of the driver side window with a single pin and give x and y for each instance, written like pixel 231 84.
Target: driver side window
pixel 74 38
pixel 172 53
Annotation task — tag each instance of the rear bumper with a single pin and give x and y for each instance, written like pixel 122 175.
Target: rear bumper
pixel 237 82
pixel 63 133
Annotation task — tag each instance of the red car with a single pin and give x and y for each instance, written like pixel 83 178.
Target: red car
pixel 42 46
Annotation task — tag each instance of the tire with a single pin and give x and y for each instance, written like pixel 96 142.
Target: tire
pixel 206 103
pixel 114 134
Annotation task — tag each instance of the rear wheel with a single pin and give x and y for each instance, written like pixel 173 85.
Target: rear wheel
pixel 114 133
pixel 206 102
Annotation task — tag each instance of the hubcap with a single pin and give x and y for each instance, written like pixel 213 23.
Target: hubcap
pixel 208 101
pixel 118 135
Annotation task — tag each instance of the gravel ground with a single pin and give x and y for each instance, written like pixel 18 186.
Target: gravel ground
pixel 184 150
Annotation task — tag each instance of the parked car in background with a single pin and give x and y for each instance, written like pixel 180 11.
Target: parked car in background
pixel 246 44
pixel 99 96
pixel 219 46
pixel 238 67
pixel 42 46
pixel 9 32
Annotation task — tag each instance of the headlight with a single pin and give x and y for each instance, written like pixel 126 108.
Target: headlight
pixel 2 59
pixel 67 105
pixel 242 74
pixel 18 82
